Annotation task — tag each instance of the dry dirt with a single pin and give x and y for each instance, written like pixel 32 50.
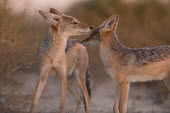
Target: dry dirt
pixel 142 98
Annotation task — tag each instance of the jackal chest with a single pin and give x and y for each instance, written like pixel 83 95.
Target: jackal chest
pixel 57 57
pixel 104 57
pixel 108 61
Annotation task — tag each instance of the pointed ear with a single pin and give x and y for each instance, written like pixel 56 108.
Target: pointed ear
pixel 54 11
pixel 115 24
pixel 51 18
pixel 43 14
pixel 110 23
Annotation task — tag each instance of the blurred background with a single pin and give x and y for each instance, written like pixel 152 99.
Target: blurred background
pixel 142 23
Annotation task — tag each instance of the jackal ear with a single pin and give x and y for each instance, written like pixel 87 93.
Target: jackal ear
pixel 44 14
pixel 111 23
pixel 50 18
pixel 108 22
pixel 115 24
pixel 55 11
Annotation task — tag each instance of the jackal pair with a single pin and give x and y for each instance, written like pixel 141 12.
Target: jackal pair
pixel 123 64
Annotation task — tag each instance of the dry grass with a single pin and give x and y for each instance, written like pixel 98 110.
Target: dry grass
pixel 15 54
pixel 11 101
pixel 145 24
pixel 141 25
pixel 16 48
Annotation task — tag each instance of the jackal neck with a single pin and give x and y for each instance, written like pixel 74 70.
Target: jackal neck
pixel 59 40
pixel 110 41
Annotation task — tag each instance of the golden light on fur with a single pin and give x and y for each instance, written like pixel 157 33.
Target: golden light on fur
pixel 126 65
pixel 70 63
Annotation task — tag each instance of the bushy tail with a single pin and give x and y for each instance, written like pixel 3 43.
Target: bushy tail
pixel 88 87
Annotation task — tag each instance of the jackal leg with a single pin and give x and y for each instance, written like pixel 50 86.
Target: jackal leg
pixel 75 91
pixel 81 79
pixel 116 101
pixel 124 89
pixel 62 73
pixel 42 81
pixel 167 81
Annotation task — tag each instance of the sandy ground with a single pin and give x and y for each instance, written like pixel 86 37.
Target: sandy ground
pixel 141 99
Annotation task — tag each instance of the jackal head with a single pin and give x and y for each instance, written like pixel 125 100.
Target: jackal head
pixel 108 26
pixel 65 24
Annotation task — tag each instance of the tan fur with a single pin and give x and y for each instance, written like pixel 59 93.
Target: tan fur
pixel 127 65
pixel 71 64
pixel 131 73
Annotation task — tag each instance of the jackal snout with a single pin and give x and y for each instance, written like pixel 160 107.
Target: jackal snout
pixel 95 38
pixel 68 25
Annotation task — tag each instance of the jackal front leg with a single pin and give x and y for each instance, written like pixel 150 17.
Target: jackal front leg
pixel 124 89
pixel 62 73
pixel 42 80
pixel 116 101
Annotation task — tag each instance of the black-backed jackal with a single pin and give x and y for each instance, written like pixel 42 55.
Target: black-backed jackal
pixel 125 64
pixel 71 64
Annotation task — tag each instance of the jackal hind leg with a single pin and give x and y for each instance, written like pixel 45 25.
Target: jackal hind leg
pixel 75 91
pixel 167 83
pixel 124 89
pixel 81 79
pixel 40 85
pixel 116 101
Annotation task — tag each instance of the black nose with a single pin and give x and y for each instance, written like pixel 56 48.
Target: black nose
pixel 91 28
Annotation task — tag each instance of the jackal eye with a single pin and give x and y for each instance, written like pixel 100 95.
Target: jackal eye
pixel 74 23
